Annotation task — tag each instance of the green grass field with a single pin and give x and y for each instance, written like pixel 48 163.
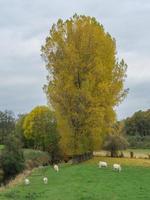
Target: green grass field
pixel 87 182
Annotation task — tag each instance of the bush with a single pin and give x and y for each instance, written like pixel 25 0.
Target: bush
pixel 12 159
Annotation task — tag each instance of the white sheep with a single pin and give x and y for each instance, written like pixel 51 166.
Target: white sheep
pixel 45 180
pixel 117 167
pixel 102 164
pixel 56 168
pixel 26 181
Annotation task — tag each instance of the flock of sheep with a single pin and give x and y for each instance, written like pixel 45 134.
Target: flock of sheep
pixel 116 167
pixel 101 164
pixel 45 179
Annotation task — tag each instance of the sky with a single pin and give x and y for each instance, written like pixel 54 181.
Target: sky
pixel 24 26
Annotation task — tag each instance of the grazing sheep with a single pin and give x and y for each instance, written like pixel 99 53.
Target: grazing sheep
pixel 45 180
pixel 56 168
pixel 26 181
pixel 102 164
pixel 117 167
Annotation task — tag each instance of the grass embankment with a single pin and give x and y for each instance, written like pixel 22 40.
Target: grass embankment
pixel 31 154
pixel 33 158
pixel 87 182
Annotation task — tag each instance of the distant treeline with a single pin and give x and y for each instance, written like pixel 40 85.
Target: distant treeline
pixel 137 129
pixel 7 124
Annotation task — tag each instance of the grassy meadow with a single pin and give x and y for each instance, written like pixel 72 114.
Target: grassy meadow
pixel 87 182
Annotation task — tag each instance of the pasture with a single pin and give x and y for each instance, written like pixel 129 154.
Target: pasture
pixel 87 182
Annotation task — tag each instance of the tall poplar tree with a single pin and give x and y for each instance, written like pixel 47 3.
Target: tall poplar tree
pixel 85 81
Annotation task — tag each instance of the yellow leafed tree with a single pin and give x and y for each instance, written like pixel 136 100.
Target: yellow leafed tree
pixel 85 81
pixel 40 126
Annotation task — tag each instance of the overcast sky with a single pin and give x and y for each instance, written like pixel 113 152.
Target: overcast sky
pixel 25 24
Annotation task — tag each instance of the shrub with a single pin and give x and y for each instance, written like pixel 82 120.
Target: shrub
pixel 12 159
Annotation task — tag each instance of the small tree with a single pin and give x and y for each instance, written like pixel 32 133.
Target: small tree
pixel 19 132
pixel 40 126
pixel 12 159
pixel 114 143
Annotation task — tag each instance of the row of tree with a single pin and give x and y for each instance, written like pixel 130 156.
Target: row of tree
pixel 138 124
pixel 39 130
pixel 137 129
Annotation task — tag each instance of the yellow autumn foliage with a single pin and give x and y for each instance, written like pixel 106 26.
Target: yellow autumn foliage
pixel 85 81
